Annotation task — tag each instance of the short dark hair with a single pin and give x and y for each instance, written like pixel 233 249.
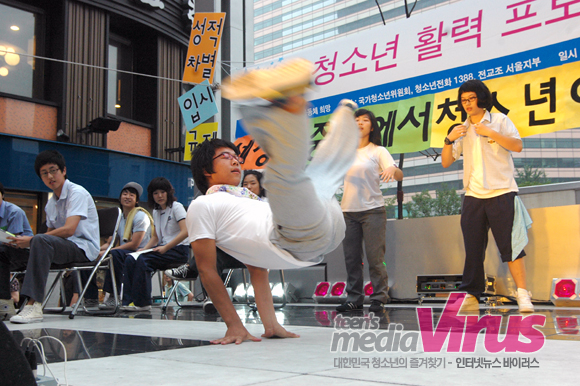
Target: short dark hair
pixel 130 190
pixel 375 135
pixel 49 157
pixel 259 176
pixel 160 183
pixel 484 99
pixel 202 160
pixel 2 190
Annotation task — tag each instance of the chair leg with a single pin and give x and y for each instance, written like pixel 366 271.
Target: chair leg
pixel 85 288
pixel 284 299
pixel 168 297
pixel 252 306
pixel 228 277
pixel 52 287
pixel 115 291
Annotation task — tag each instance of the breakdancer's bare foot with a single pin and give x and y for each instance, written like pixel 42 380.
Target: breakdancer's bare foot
pixel 286 79
pixel 278 331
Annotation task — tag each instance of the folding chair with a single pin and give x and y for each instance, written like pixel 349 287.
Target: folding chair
pixel 226 282
pixel 250 304
pixel 109 220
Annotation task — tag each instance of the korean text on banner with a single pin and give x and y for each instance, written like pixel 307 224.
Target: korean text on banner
pixel 197 105
pixel 204 44
pixel 201 133
pixel 408 71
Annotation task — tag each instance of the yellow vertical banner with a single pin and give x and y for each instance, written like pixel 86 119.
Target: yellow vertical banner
pixel 196 136
pixel 204 42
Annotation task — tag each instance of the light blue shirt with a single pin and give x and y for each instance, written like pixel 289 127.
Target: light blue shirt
pixel 13 220
pixel 181 291
pixel 74 200
pixel 141 223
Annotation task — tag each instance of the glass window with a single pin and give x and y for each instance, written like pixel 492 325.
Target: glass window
pixel 28 202
pixel 120 84
pixel 18 29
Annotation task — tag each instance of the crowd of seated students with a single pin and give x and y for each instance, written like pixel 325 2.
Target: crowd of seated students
pixel 72 236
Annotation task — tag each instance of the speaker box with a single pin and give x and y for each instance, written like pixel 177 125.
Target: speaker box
pixel 103 125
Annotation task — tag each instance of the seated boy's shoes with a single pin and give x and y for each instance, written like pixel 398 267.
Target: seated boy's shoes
pixel 133 308
pixel 30 314
pixel 377 307
pixel 91 303
pixel 349 306
pixel 524 300
pixel 290 77
pixel 470 305
pixel 183 272
pixel 108 304
pixel 7 309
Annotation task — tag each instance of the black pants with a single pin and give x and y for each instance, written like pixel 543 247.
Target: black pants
pixel 11 259
pixel 477 217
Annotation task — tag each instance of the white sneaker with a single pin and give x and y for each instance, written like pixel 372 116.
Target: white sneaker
pixel 470 305
pixel 524 300
pixel 109 304
pixel 134 308
pixel 290 77
pixel 30 314
pixel 7 309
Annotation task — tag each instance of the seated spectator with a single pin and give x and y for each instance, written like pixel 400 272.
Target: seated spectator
pixel 168 244
pixel 72 235
pixel 253 181
pixel 134 233
pixel 181 292
pixel 12 220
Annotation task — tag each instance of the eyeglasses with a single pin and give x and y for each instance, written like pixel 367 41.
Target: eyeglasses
pixel 230 156
pixel 470 100
pixel 51 171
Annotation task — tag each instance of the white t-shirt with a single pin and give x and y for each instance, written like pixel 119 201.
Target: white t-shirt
pixel 240 227
pixel 167 222
pixel 141 223
pixel 362 181
pixel 488 168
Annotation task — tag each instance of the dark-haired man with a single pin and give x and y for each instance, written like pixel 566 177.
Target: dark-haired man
pixel 486 141
pixel 72 235
pixel 302 220
pixel 12 220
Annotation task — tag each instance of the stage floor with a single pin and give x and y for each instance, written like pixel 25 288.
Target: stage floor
pixel 173 349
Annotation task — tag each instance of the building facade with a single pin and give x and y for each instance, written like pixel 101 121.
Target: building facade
pixel 98 80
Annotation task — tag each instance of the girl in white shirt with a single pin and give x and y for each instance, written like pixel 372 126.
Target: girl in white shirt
pixel 168 244
pixel 365 215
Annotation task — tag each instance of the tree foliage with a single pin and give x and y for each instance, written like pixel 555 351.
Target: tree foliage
pixel 530 176
pixel 391 205
pixel 446 202
pixel 421 206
